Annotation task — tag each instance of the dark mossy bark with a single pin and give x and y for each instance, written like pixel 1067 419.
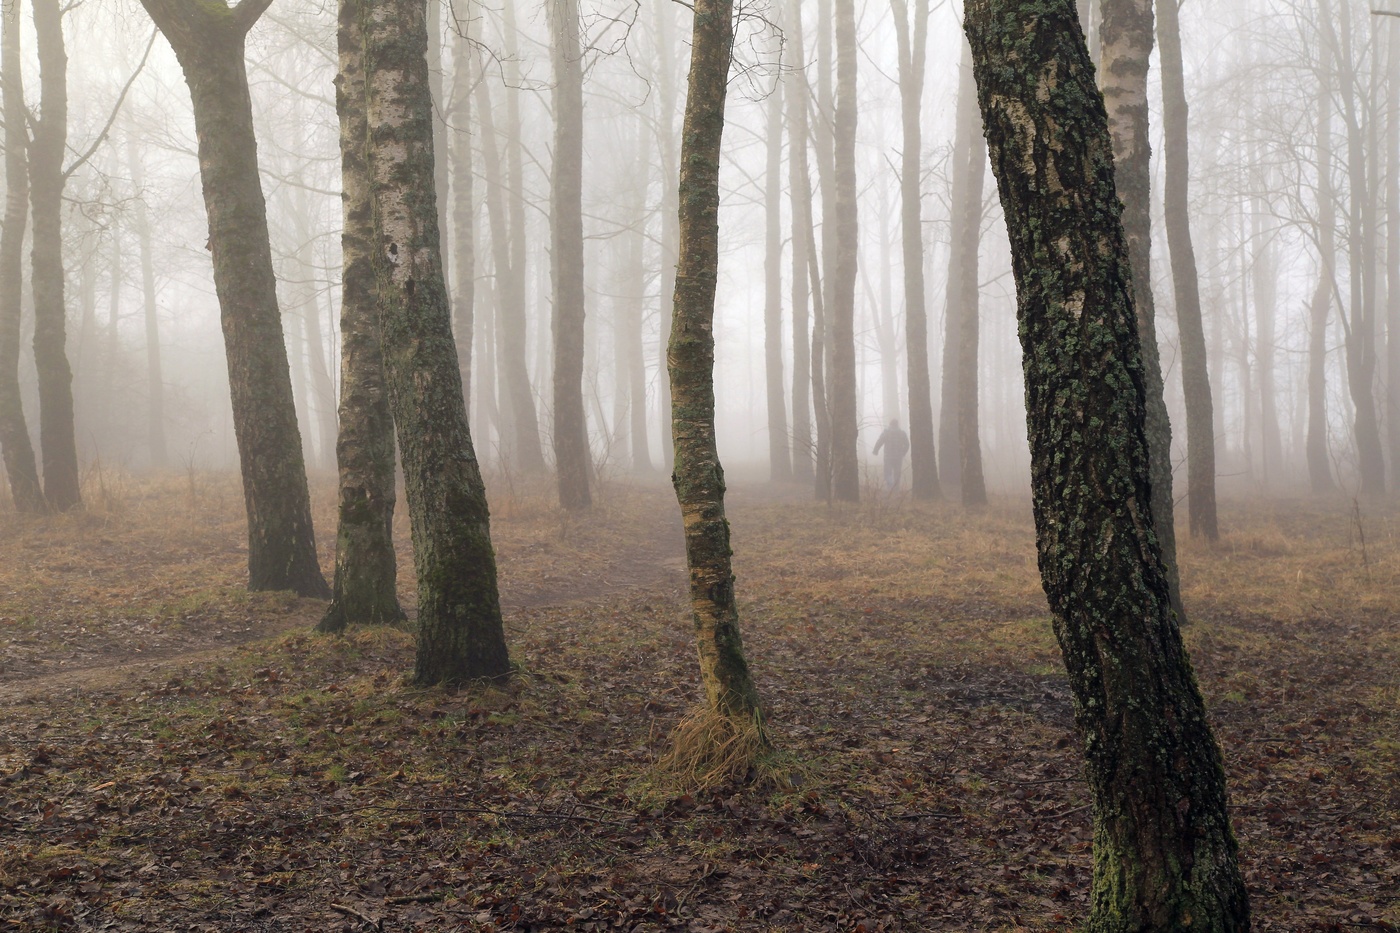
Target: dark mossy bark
pixel 460 634
pixel 1126 32
pixel 58 447
pixel 798 98
pixel 20 464
pixel 208 39
pixel 841 306
pixel 1165 858
pixel 365 588
pixel 572 461
pixel 1195 374
pixel 912 47
pixel 690 357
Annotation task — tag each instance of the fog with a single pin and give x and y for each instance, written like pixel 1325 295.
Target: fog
pixel 1253 71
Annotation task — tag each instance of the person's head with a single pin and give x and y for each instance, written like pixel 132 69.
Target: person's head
pixel 894 423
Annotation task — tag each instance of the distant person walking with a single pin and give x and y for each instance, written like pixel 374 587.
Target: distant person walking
pixel 896 444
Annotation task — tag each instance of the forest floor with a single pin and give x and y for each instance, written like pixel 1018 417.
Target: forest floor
pixel 178 754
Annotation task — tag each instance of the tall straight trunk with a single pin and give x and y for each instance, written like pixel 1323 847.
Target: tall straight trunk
pixel 58 447
pixel 20 464
pixel 820 274
pixel 521 432
pixel 690 358
pixel 841 275
pixel 460 634
pixel 155 380
pixel 365 585
pixel 779 461
pixel 208 39
pixel 1164 854
pixel 1392 252
pixel 320 387
pixel 666 102
pixel 798 99
pixel 1264 276
pixel 1360 320
pixel 913 55
pixel 1195 373
pixel 1127 46
pixel 962 318
pixel 572 461
pixel 1319 310
pixel 636 308
pixel 463 264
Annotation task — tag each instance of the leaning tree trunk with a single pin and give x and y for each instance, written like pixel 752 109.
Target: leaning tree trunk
pixel 460 634
pixel 1164 854
pixel 690 358
pixel 779 461
pixel 57 438
pixel 365 589
pixel 1127 45
pixel 841 309
pixel 1195 374
pixel 208 39
pixel 913 53
pixel 572 461
pixel 20 465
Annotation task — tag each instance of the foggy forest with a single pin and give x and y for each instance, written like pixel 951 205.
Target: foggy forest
pixel 703 465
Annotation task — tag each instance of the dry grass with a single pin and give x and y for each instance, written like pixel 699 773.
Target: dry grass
pixel 709 750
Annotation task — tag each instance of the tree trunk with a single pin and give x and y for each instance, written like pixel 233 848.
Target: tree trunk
pixel 155 380
pixel 463 265
pixel 47 150
pixel 572 460
pixel 1195 374
pixel 1127 45
pixel 20 464
pixel 913 53
pixel 1264 271
pixel 365 587
pixel 460 634
pixel 800 199
pixel 690 358
pixel 521 433
pixel 1360 320
pixel 960 346
pixel 841 285
pixel 1392 252
pixel 1164 854
pixel 779 461
pixel 208 39
pixel 635 290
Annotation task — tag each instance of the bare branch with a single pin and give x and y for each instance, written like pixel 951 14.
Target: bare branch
pixel 116 109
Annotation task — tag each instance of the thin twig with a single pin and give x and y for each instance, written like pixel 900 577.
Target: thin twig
pixel 363 918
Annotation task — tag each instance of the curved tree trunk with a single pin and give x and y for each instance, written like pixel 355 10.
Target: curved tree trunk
pixel 364 590
pixel 208 39
pixel 572 460
pixel 460 634
pixel 20 465
pixel 690 357
pixel 1164 854
pixel 1195 374
pixel 913 52
pixel 1127 46
pixel 57 440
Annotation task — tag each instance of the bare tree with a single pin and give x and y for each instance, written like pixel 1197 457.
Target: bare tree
pixel 460 634
pixel 208 39
pixel 1164 855
pixel 20 465
pixel 572 461
pixel 841 274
